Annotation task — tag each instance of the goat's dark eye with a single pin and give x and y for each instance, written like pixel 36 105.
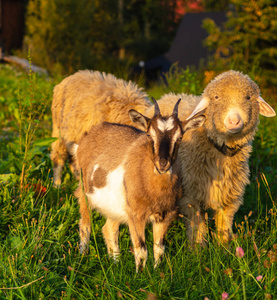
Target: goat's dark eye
pixel 248 97
pixel 216 97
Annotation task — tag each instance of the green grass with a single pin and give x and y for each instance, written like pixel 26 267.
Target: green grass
pixel 39 223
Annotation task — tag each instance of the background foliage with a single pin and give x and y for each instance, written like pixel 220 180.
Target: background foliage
pixel 248 40
pixel 65 36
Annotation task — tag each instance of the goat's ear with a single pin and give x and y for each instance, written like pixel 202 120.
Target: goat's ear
pixel 193 123
pixel 139 119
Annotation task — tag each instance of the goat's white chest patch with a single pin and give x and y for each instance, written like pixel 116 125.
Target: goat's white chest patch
pixel 164 125
pixel 110 200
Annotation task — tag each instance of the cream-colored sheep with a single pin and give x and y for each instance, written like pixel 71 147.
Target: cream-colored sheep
pixel 87 98
pixel 214 158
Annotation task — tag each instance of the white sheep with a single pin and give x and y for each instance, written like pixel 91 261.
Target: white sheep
pixel 214 158
pixel 129 176
pixel 84 99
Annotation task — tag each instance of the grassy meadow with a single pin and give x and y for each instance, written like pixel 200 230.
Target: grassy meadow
pixel 39 235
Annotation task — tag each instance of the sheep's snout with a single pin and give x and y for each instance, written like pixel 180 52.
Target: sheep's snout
pixel 233 122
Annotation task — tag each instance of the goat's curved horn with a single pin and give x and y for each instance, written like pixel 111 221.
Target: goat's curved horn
pixel 157 109
pixel 175 110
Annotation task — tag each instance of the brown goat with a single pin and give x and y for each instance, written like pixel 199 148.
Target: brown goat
pixel 129 176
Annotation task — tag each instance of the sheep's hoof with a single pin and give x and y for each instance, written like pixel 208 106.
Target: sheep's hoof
pixel 84 249
pixel 115 256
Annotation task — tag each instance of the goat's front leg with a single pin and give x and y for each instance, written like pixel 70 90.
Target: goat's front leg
pixel 137 233
pixel 110 232
pixel 159 231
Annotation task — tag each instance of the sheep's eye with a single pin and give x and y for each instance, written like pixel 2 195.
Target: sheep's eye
pixel 216 97
pixel 248 97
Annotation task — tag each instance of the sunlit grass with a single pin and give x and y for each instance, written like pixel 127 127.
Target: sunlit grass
pixel 39 235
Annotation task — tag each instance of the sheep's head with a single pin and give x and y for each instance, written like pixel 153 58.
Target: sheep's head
pixel 232 104
pixel 165 134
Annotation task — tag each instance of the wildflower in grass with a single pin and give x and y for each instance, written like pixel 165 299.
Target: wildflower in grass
pixel 239 252
pixel 272 255
pixel 259 278
pixel 224 296
pixel 267 263
pixel 228 271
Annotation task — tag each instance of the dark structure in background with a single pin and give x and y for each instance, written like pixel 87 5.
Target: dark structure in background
pixel 11 24
pixel 187 48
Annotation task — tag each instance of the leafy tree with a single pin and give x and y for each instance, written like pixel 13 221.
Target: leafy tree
pixel 57 33
pixel 248 40
pixel 215 5
pixel 67 35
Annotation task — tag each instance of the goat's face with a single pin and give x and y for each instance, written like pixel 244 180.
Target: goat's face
pixel 165 134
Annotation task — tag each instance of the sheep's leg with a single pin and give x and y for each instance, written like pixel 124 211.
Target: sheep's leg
pixel 58 169
pixel 224 221
pixel 195 224
pixel 110 232
pixel 58 156
pixel 159 232
pixel 137 233
pixel 73 167
pixel 85 224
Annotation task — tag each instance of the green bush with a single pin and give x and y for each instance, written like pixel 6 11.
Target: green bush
pixel 247 41
pixel 69 35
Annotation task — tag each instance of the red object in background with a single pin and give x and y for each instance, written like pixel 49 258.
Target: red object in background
pixel 183 7
pixel 38 188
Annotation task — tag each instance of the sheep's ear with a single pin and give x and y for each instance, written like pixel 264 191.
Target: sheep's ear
pixel 139 119
pixel 201 106
pixel 265 109
pixel 193 123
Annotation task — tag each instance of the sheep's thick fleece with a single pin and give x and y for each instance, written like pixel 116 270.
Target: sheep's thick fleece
pixel 214 158
pixel 87 98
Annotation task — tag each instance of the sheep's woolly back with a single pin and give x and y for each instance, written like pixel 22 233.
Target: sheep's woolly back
pixel 87 98
pixel 168 101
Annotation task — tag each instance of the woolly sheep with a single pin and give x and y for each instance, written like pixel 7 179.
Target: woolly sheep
pixel 129 176
pixel 84 99
pixel 214 158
